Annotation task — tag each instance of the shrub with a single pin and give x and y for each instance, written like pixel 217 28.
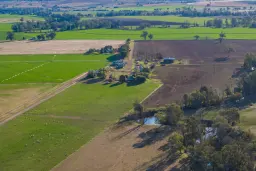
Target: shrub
pixel 140 79
pixel 146 70
pixel 162 118
pixel 91 74
pixel 122 79
pixel 234 97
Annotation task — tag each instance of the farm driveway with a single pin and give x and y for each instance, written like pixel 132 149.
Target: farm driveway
pixel 54 46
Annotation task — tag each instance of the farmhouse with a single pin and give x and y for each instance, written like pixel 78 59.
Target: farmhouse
pixel 168 60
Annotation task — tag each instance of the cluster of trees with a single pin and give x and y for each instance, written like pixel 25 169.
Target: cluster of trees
pixel 205 96
pixel 210 145
pixel 247 82
pixel 233 22
pixel 124 49
pixel 145 34
pixel 69 22
pixel 100 73
pixel 106 49
pixel 46 36
pixel 42 12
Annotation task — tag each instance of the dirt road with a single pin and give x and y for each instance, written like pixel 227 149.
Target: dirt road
pixel 55 46
pixel 5 117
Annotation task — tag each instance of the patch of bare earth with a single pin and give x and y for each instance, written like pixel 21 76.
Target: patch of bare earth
pixel 13 98
pixel 123 149
pixel 55 46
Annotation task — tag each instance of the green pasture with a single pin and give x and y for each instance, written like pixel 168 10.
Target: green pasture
pixel 199 20
pixel 47 134
pixel 5 27
pixel 151 8
pixel 47 68
pixel 159 33
pixel 14 18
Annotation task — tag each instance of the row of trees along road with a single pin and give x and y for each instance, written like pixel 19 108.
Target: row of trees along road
pixel 40 37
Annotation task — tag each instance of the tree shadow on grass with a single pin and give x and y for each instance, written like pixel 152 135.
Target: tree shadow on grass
pixel 134 83
pixel 92 80
pixel 114 57
pixel 115 84
pixel 123 134
pixel 152 136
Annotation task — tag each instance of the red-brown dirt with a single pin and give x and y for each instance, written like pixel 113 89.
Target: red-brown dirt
pixel 181 79
pixel 129 148
pixel 201 69
pixel 195 51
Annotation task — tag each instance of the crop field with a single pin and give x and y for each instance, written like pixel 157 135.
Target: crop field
pixel 182 79
pixel 196 51
pixel 49 133
pixel 178 19
pixel 47 68
pixel 199 68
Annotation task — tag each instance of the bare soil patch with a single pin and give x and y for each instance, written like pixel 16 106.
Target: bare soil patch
pixel 55 46
pixel 195 51
pixel 127 148
pixel 200 68
pixel 12 98
pixel 181 79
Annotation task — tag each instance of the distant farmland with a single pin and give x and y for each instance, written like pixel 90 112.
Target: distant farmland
pixel 172 33
pixel 159 34
pixel 178 19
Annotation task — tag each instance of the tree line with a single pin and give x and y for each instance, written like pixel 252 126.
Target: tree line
pixel 233 22
pixel 185 12
pixel 63 24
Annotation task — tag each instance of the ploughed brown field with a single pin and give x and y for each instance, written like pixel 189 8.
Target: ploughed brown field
pixel 199 69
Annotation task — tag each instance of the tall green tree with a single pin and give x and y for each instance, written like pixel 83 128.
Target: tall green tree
pixel 9 36
pixel 176 142
pixel 150 36
pixel 138 109
pixel 196 37
pixel 221 36
pixel 144 34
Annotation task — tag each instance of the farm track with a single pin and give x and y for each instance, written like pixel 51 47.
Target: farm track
pixel 5 117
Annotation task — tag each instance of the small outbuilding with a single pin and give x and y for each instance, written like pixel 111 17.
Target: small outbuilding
pixel 168 60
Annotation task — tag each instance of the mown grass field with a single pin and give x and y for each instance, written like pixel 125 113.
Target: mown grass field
pixel 17 69
pixel 5 27
pixel 44 136
pixel 159 33
pixel 199 20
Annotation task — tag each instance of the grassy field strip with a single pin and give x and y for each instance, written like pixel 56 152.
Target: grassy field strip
pixel 16 75
pixel 51 61
pixel 38 100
